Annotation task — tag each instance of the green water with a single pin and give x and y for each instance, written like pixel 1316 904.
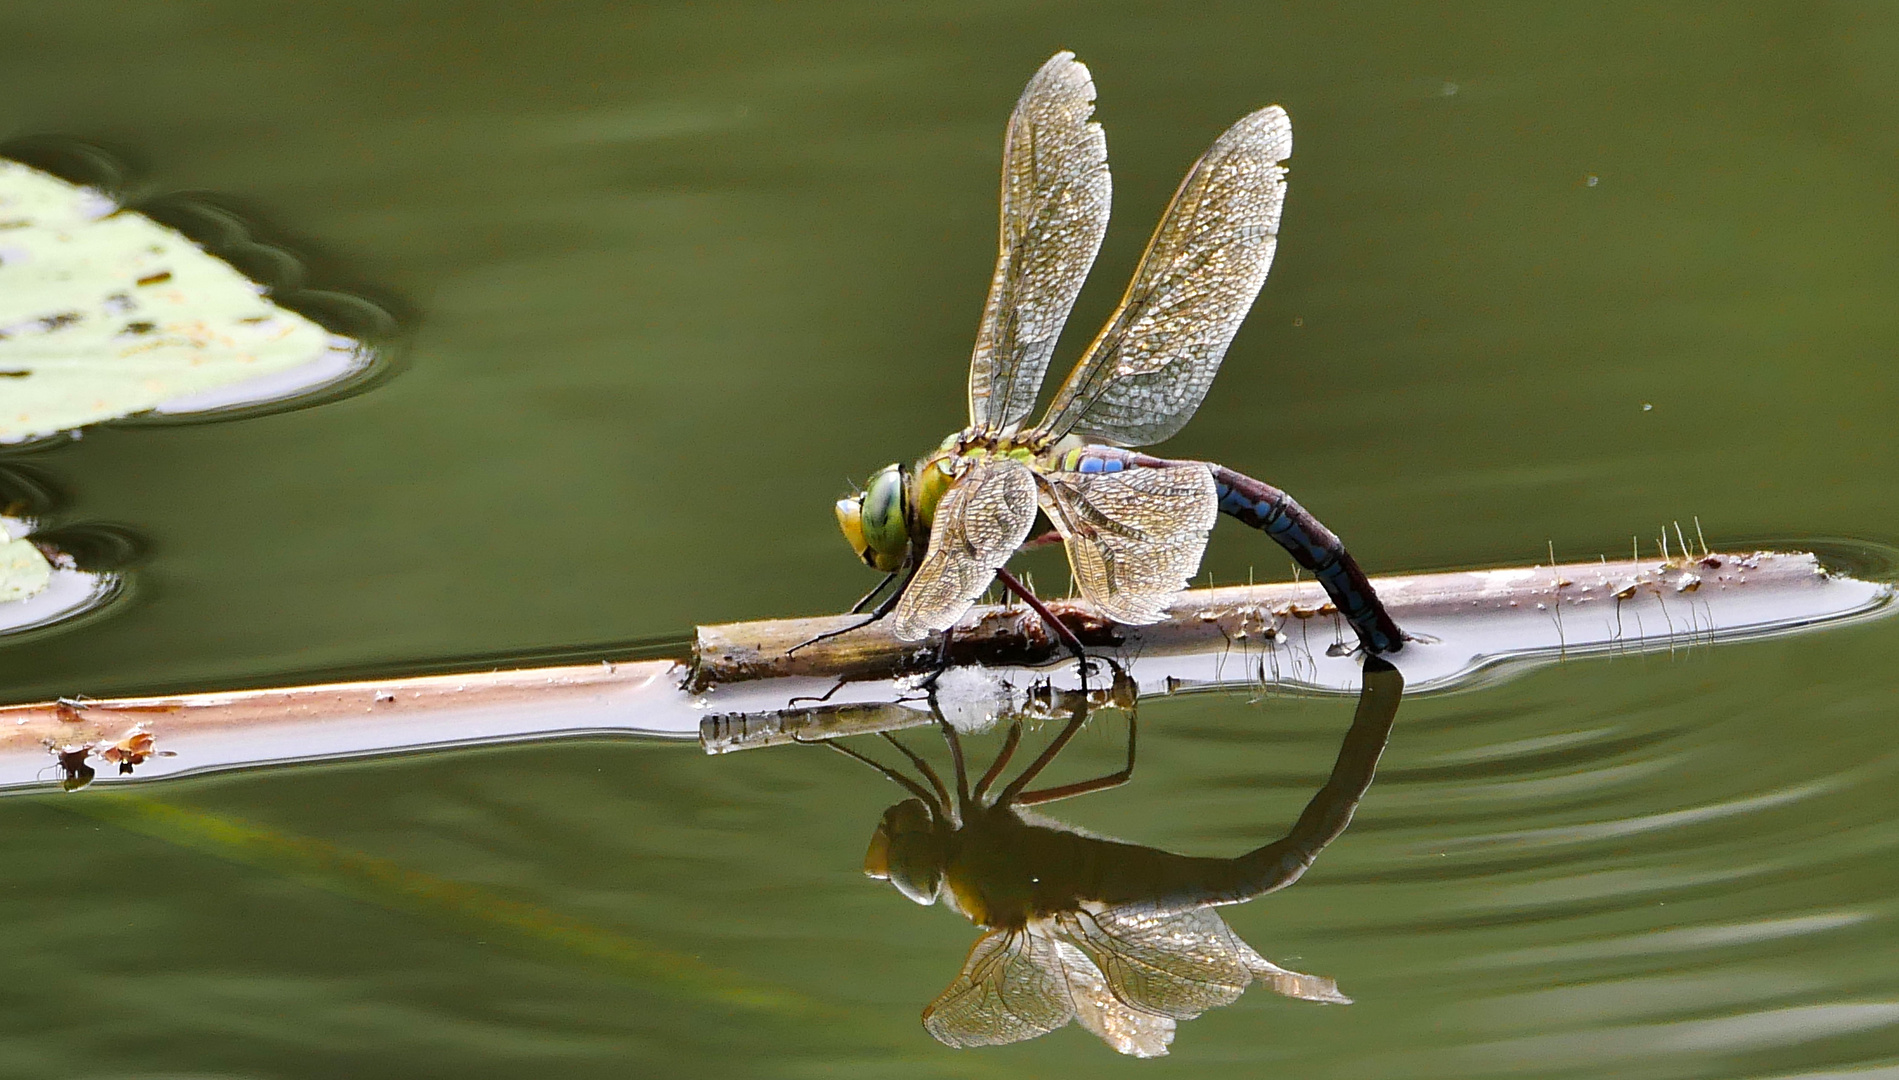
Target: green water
pixel 669 276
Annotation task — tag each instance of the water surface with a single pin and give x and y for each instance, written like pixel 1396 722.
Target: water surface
pixel 668 277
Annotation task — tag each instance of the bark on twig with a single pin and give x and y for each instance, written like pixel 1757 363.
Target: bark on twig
pixel 1211 618
pixel 749 680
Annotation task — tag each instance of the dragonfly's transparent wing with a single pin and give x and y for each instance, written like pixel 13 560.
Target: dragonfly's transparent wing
pixel 980 522
pixel 1147 372
pixel 1134 537
pixel 1010 989
pixel 1055 193
pixel 1128 1030
pixel 1173 963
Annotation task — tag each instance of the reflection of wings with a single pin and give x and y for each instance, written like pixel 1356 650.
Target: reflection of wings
pixel 1149 369
pixel 1291 983
pixel 1131 1031
pixel 1055 192
pixel 1177 964
pixel 1128 974
pixel 980 522
pixel 1134 537
pixel 1009 990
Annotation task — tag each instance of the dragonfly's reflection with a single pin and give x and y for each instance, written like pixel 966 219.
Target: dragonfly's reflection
pixel 1118 937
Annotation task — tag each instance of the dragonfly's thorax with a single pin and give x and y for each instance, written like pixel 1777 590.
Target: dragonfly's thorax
pixel 954 458
pixel 1026 445
pixel 934 475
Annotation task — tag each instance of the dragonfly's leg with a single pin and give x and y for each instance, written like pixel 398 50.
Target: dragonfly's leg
pixel 956 758
pixel 829 634
pixel 819 699
pixel 1014 790
pixel 1084 787
pixel 928 685
pixel 891 774
pixel 1055 625
pixel 1314 547
pixel 867 597
pixel 1001 762
pixel 889 605
pixel 942 793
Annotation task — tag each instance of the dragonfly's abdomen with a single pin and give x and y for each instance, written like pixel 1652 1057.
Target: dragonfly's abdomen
pixel 1274 513
pixel 1095 459
pixel 1314 547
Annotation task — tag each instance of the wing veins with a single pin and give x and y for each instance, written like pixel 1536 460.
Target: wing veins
pixel 1160 296
pixel 980 522
pixel 1134 537
pixel 1174 312
pixel 1055 194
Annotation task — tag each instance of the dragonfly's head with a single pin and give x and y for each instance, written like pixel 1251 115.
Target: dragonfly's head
pixel 877 520
pixel 908 850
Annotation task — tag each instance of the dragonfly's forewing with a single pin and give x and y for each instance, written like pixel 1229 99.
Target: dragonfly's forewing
pixel 1131 1031
pixel 1176 963
pixel 1146 373
pixel 1134 537
pixel 1010 989
pixel 981 521
pixel 1055 193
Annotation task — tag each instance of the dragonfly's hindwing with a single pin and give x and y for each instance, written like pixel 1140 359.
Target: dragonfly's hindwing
pixel 1147 372
pixel 1134 537
pixel 980 522
pixel 1010 989
pixel 1055 195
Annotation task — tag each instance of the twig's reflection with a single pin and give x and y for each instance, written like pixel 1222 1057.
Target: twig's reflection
pixel 1118 937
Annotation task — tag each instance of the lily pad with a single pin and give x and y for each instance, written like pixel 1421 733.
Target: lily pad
pixel 105 313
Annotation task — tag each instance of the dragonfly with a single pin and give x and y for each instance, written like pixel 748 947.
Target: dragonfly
pixel 1134 526
pixel 1122 938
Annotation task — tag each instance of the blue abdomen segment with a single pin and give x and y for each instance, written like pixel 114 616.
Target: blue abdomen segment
pixel 1096 459
pixel 1314 547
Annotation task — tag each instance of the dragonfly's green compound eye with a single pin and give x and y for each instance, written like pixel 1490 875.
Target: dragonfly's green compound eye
pixel 886 519
pixel 877 522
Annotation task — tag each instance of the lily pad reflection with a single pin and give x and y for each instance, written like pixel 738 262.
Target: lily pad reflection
pixel 50 576
pixel 24 570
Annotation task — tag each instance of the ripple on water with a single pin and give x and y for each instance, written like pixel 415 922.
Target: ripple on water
pixel 1630 868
